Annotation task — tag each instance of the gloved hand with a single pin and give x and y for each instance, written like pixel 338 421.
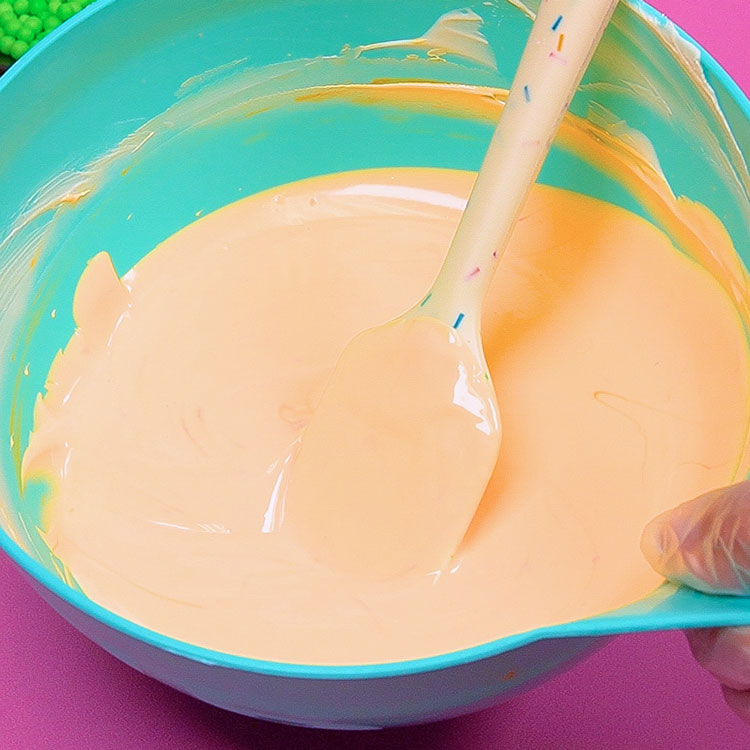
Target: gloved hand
pixel 705 544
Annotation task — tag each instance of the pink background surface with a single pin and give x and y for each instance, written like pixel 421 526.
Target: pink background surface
pixel 58 691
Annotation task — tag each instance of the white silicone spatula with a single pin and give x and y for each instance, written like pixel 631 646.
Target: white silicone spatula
pixel 400 449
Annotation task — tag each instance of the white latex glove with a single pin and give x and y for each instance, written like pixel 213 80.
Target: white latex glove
pixel 705 544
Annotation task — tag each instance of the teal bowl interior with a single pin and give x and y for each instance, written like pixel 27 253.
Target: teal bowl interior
pixel 107 78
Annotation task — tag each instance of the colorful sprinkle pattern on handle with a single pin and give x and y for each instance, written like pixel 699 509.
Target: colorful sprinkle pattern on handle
pixel 560 46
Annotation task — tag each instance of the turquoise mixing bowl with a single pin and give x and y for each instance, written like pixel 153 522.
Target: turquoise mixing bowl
pixel 68 191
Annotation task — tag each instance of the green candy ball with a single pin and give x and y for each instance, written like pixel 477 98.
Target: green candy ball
pixel 6 18
pixel 23 17
pixel 51 22
pixel 54 5
pixel 21 6
pixel 35 24
pixel 25 34
pixel 76 5
pixel 65 11
pixel 18 48
pixel 5 7
pixel 13 26
pixel 6 42
pixel 38 7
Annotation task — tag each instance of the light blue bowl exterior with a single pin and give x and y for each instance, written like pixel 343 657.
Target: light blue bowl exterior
pixel 119 63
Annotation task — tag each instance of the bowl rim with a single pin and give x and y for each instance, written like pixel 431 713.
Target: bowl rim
pixel 586 628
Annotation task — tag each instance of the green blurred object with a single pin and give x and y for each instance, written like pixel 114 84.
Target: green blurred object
pixel 65 11
pixel 25 34
pixel 23 23
pixel 18 48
